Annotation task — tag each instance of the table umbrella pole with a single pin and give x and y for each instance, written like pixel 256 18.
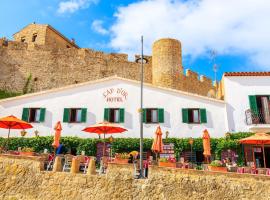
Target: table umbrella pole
pixel 263 156
pixel 8 137
pixel 104 146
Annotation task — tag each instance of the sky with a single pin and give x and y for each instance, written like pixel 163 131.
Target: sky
pixel 234 35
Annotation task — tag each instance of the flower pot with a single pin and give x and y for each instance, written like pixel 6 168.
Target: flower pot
pixel 121 160
pixel 166 164
pixel 217 169
pixel 27 153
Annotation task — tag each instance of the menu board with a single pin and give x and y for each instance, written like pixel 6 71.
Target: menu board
pixel 168 151
pixel 100 150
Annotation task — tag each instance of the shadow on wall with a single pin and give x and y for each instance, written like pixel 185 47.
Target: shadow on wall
pixel 230 118
pixel 167 120
pixel 209 123
pixel 91 119
pixel 48 119
pixel 128 120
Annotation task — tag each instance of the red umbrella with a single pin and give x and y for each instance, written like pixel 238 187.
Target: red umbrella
pixel 12 122
pixel 105 128
pixel 206 145
pixel 57 135
pixel 157 146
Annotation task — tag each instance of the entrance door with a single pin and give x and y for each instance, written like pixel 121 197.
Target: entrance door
pixel 267 156
pixel 258 155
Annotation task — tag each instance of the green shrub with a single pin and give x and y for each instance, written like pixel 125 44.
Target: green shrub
pixel 121 145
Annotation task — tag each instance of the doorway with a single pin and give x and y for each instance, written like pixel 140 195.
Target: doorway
pixel 267 156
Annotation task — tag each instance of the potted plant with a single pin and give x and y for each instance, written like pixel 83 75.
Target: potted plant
pixel 167 162
pixel 218 166
pixel 121 158
pixel 27 151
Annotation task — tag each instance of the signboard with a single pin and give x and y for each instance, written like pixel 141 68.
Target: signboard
pixel 115 95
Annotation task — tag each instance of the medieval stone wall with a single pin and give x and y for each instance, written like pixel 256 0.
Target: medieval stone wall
pixel 24 179
pixel 52 67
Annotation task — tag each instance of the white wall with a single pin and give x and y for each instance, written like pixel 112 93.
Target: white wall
pixel 91 96
pixel 237 89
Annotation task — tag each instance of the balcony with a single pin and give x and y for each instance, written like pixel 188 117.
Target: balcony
pixel 258 121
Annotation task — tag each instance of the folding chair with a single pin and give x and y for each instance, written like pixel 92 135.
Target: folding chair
pixel 68 162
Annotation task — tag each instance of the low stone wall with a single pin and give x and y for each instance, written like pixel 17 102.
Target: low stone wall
pixel 23 178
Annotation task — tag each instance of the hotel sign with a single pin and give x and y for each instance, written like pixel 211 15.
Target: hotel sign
pixel 115 95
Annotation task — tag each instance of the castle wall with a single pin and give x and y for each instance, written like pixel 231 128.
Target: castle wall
pixel 52 68
pixel 167 62
pixel 54 39
pixel 28 32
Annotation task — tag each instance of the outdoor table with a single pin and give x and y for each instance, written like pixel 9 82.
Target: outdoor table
pixel 254 171
pixel 268 172
pixel 240 170
pixel 262 171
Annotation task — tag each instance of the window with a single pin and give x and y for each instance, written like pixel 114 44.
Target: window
pixel 34 115
pixel 68 46
pixel 22 39
pixel 153 115
pixel 114 115
pixel 194 115
pixel 260 108
pixel 34 37
pixel 75 115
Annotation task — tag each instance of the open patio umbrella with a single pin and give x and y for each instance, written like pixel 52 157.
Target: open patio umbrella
pixel 257 139
pixel 206 145
pixel 12 122
pixel 157 146
pixel 105 128
pixel 57 135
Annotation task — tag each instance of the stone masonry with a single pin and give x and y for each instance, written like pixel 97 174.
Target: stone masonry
pixel 23 178
pixel 54 61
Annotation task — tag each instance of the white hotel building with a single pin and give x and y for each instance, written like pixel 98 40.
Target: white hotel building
pixel 245 107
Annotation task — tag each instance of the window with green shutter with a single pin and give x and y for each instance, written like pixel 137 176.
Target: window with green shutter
pixel 114 115
pixel 185 115
pixel 122 115
pixel 161 115
pixel 253 104
pixel 84 115
pixel 25 114
pixel 203 115
pixel 75 115
pixel 194 115
pixel 42 114
pixel 66 115
pixel 153 115
pixel 106 114
pixel 144 115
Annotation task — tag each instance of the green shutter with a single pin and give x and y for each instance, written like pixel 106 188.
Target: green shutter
pixel 184 115
pixel 83 114
pixel 253 104
pixel 144 115
pixel 203 117
pixel 122 115
pixel 161 115
pixel 25 114
pixel 66 115
pixel 42 114
pixel 106 114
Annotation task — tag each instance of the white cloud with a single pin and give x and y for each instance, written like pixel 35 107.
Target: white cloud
pixel 72 6
pixel 230 27
pixel 97 26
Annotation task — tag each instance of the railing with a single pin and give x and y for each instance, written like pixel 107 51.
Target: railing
pixel 259 117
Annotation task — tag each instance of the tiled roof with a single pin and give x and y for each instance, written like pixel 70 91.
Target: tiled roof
pixel 247 74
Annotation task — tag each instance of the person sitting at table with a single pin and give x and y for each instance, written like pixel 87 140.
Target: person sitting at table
pixel 131 158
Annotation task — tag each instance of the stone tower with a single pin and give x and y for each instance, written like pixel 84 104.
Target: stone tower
pixel 166 62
